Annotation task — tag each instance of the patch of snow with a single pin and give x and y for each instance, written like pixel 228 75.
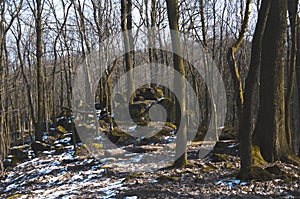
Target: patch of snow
pixel 45 171
pixel 65 140
pixel 11 187
pixel 131 197
pixel 233 145
pixel 229 183
pixel 132 128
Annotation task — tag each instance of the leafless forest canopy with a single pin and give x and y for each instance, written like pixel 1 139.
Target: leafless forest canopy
pixel 45 42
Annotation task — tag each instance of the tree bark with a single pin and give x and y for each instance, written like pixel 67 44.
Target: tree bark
pixel 235 73
pixel 128 47
pixel 181 140
pixel 292 9
pixel 298 74
pixel 39 72
pixel 247 122
pixel 270 133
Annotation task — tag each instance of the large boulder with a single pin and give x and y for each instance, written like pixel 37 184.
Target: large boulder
pixel 39 147
pixel 20 152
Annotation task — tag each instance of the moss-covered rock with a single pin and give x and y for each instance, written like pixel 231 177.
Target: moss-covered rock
pixel 59 148
pixel 226 147
pixel 39 147
pixel 20 152
pixel 82 150
pixel 228 133
pixel 163 132
pixel 11 161
pixel 51 140
pixel 55 133
pixel 94 148
pixel 149 93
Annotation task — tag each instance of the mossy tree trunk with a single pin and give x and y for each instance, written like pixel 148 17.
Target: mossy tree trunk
pixel 234 70
pixel 270 131
pixel 181 141
pixel 246 121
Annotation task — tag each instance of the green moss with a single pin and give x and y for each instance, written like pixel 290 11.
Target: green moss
pixel 257 158
pixel 118 132
pixel 167 178
pixel 96 146
pixel 208 169
pixel 216 157
pixel 229 165
pixel 102 124
pixel 61 129
pixel 189 171
pixel 292 159
pixel 171 125
pixel 256 173
pixel 162 132
pixel 159 93
pixel 18 195
pixel 82 150
pixel 190 164
pixel 132 175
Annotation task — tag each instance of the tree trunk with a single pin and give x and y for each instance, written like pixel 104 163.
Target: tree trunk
pixel 181 140
pixel 292 9
pixel 39 72
pixel 128 47
pixel 85 47
pixel 247 122
pixel 235 73
pixel 270 133
pixel 298 75
pixel 3 143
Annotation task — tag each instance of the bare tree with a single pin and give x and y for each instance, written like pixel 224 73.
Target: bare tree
pixel 36 8
pixel 270 134
pixel 5 26
pixel 247 121
pixel 125 24
pixel 235 73
pixel 293 18
pixel 181 141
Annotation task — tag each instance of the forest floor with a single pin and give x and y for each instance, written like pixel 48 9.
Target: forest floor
pixel 82 176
